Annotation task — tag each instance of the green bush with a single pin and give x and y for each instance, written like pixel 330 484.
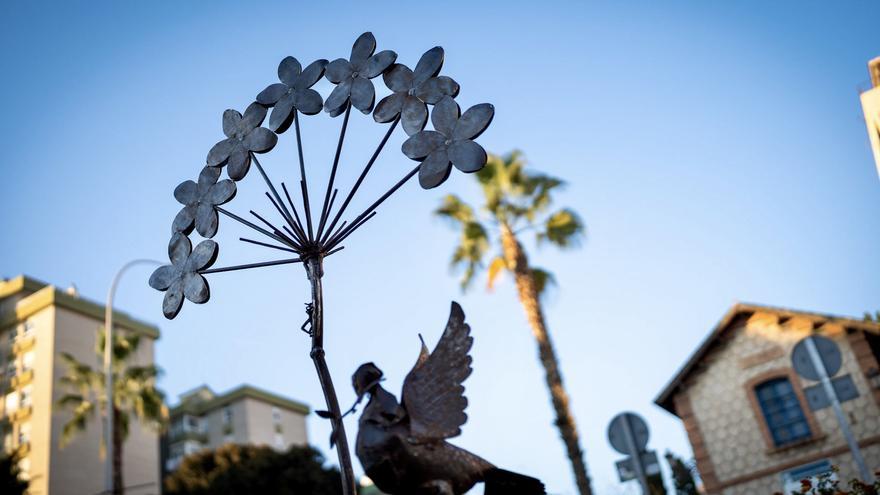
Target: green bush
pixel 237 469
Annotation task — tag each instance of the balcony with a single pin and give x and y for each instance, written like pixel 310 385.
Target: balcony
pixel 24 344
pixel 22 378
pixel 182 436
pixel 22 413
pixel 24 449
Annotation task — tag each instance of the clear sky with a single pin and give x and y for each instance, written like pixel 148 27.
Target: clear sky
pixel 717 152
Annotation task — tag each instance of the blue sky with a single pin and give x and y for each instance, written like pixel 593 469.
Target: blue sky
pixel 716 151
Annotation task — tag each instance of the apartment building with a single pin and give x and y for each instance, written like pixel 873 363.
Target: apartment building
pixel 38 321
pixel 745 411
pixel 871 107
pixel 245 415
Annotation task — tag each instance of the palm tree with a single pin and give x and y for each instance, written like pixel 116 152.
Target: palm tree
pixel 134 394
pixel 517 201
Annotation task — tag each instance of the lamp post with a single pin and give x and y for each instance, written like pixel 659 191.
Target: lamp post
pixel 108 374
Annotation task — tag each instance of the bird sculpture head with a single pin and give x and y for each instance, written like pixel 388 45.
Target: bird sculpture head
pixel 367 376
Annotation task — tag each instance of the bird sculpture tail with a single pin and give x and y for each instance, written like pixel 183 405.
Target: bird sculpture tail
pixel 501 482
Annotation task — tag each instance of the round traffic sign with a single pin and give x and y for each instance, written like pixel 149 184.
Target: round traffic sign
pixel 617 432
pixel 829 354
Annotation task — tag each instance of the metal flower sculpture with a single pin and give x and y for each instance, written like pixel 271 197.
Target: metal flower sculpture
pixel 293 93
pixel 352 76
pixel 199 200
pixel 244 136
pixel 451 143
pixel 182 278
pixel 413 91
pixel 310 234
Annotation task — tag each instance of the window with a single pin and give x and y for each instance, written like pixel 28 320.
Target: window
pixel 24 434
pixel 26 396
pixel 279 441
pixel 227 416
pixel 276 415
pixel 193 424
pixel 28 329
pixel 782 411
pixel 11 369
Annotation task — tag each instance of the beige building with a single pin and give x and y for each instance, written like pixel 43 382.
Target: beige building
pixel 37 323
pixel 245 415
pixel 871 107
pixel 745 411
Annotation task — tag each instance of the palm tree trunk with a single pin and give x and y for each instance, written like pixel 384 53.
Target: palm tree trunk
pixel 118 487
pixel 518 263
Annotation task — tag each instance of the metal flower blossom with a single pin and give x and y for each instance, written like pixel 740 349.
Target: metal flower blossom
pixel 293 93
pixel 450 143
pixel 352 77
pixel 243 136
pixel 182 278
pixel 199 199
pixel 414 90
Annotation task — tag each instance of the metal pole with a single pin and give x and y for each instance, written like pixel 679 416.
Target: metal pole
pixel 108 374
pixel 838 411
pixel 635 454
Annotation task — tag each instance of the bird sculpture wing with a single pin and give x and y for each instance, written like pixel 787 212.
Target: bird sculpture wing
pixel 433 394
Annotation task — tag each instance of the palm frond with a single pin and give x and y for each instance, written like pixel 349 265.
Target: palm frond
pixel 454 209
pixel 472 248
pixel 563 228
pixel 543 280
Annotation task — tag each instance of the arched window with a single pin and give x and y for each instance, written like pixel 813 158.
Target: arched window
pixel 782 411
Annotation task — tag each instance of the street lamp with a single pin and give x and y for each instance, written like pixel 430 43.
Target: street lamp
pixel 108 374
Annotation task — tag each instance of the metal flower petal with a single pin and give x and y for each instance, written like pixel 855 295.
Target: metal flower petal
pixel 429 65
pixel 363 47
pixel 389 107
pixel 474 121
pixel 289 70
pixel 445 116
pixel 363 95
pixel 414 115
pixel 422 144
pixel 467 156
pixel 435 88
pixel 434 170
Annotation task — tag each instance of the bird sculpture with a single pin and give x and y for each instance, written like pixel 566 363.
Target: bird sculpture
pixel 403 446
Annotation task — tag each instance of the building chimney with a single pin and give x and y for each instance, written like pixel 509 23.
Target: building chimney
pixel 874 69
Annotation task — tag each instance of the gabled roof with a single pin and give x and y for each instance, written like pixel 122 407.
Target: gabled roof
pixel 195 405
pixel 665 399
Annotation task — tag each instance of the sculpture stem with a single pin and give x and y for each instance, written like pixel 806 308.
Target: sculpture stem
pixel 315 271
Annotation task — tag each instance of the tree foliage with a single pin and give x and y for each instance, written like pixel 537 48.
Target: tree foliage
pixel 11 482
pixel 236 469
pixel 515 197
pixel 682 475
pixel 134 388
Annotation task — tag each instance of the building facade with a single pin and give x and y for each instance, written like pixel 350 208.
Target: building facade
pixel 245 415
pixel 744 408
pixel 871 107
pixel 37 323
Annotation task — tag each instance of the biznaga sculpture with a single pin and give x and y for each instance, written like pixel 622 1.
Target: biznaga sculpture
pixel 402 446
pixel 311 236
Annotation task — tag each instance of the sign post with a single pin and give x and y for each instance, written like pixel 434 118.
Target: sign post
pixel 818 358
pixel 628 434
